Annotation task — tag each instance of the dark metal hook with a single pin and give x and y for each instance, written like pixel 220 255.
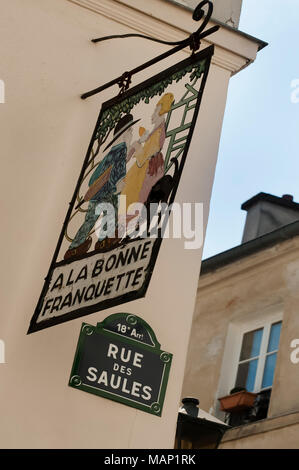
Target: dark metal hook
pixel 124 82
pixel 199 14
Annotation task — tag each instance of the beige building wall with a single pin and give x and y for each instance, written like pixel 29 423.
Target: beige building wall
pixel 284 437
pixel 257 286
pixel 47 62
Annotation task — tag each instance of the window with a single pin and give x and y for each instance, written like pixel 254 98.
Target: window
pixel 249 362
pixel 257 358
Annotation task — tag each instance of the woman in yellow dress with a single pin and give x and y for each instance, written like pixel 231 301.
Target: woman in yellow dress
pixel 148 167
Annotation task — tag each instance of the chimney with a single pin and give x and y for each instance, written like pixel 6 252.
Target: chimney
pixel 266 213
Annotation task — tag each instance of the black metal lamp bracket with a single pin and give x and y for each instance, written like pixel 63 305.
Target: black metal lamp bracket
pixel 193 41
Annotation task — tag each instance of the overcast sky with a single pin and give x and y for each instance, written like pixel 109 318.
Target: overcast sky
pixel 259 148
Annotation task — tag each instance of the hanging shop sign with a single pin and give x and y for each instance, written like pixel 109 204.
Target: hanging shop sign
pixel 121 359
pixel 106 252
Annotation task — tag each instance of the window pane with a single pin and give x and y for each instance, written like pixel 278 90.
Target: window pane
pixel 251 344
pixel 274 337
pixel 246 375
pixel 269 371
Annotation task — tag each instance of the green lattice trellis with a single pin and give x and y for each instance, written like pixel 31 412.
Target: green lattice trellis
pixel 113 114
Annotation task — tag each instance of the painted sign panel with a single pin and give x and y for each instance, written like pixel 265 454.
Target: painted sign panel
pixel 98 278
pixel 107 249
pixel 121 359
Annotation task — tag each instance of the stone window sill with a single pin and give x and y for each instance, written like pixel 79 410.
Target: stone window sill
pixel 264 425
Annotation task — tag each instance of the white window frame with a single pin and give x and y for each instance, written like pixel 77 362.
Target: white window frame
pixel 236 329
pixel 261 357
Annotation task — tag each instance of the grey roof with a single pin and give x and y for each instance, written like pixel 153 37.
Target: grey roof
pixel 281 201
pixel 251 247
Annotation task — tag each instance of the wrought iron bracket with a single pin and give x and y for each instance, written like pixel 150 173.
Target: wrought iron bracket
pixel 193 41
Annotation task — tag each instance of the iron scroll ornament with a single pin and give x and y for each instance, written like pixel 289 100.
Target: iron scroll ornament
pixel 193 41
pixel 198 14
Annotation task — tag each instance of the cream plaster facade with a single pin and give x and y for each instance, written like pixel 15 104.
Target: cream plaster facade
pixel 255 287
pixel 226 11
pixel 47 62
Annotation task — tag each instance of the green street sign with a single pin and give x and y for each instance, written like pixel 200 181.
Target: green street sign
pixel 121 359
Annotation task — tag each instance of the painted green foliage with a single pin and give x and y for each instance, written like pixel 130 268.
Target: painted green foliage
pixel 113 114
